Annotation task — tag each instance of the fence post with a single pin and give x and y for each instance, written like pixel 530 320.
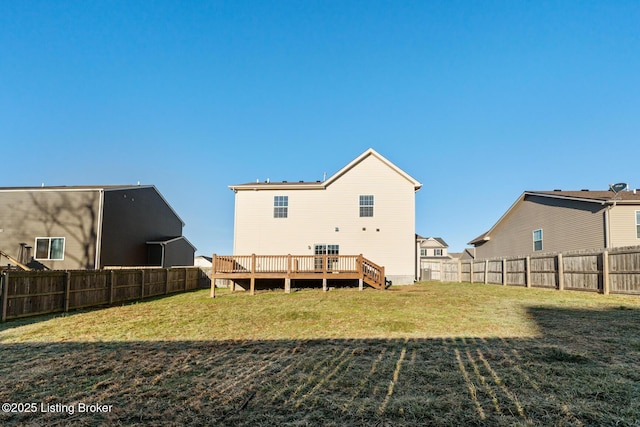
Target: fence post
pixel 504 272
pixel 605 273
pixel 166 281
pixel 141 283
pixel 67 290
pixel 112 275
pixel 212 294
pixel 4 282
pixel 459 270
pixel 471 270
pixel 560 273
pixel 486 271
pixel 527 272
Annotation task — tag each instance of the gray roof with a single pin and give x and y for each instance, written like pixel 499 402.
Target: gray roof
pixel 75 187
pixel 591 195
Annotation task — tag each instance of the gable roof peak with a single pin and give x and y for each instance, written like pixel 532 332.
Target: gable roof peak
pixel 371 152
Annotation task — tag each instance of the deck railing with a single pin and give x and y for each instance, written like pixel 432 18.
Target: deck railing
pixel 298 267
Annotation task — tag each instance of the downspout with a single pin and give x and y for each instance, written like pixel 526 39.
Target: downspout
pixel 99 229
pixel 607 225
pixel 415 262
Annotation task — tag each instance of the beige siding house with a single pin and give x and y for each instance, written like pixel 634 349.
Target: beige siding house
pixel 557 221
pixel 367 207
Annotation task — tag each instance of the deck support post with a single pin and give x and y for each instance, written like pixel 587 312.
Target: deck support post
pixel 325 262
pixel 252 289
pixel 287 280
pixel 360 284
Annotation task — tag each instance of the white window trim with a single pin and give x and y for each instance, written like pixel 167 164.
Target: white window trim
pixel 637 224
pixel 533 237
pixel 280 211
pixel 35 254
pixel 361 205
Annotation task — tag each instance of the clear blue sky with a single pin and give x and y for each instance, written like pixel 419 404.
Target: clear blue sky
pixel 479 101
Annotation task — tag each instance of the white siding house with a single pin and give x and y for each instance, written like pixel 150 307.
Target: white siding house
pixel 367 207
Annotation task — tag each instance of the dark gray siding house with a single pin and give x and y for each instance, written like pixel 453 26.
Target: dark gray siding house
pixel 91 227
pixel 559 221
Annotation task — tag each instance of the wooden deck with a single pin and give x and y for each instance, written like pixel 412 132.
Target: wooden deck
pixel 288 267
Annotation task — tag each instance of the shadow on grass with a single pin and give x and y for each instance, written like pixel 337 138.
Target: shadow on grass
pixel 581 371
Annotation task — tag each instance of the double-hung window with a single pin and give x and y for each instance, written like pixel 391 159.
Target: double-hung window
pixel 638 224
pixel 537 240
pixel 50 248
pixel 366 206
pixel 280 206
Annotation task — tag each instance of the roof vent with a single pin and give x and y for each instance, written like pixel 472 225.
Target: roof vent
pixel 585 189
pixel 284 182
pixel 557 189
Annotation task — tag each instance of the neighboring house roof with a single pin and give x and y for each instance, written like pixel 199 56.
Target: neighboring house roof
pixel 172 240
pixel 321 185
pixel 74 187
pixel 602 197
pixel 437 239
pixel 93 187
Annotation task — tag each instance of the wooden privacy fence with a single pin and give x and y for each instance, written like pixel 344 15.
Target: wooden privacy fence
pixel 615 271
pixel 32 293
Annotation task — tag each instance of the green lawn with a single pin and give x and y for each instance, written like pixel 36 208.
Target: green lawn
pixel 430 354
